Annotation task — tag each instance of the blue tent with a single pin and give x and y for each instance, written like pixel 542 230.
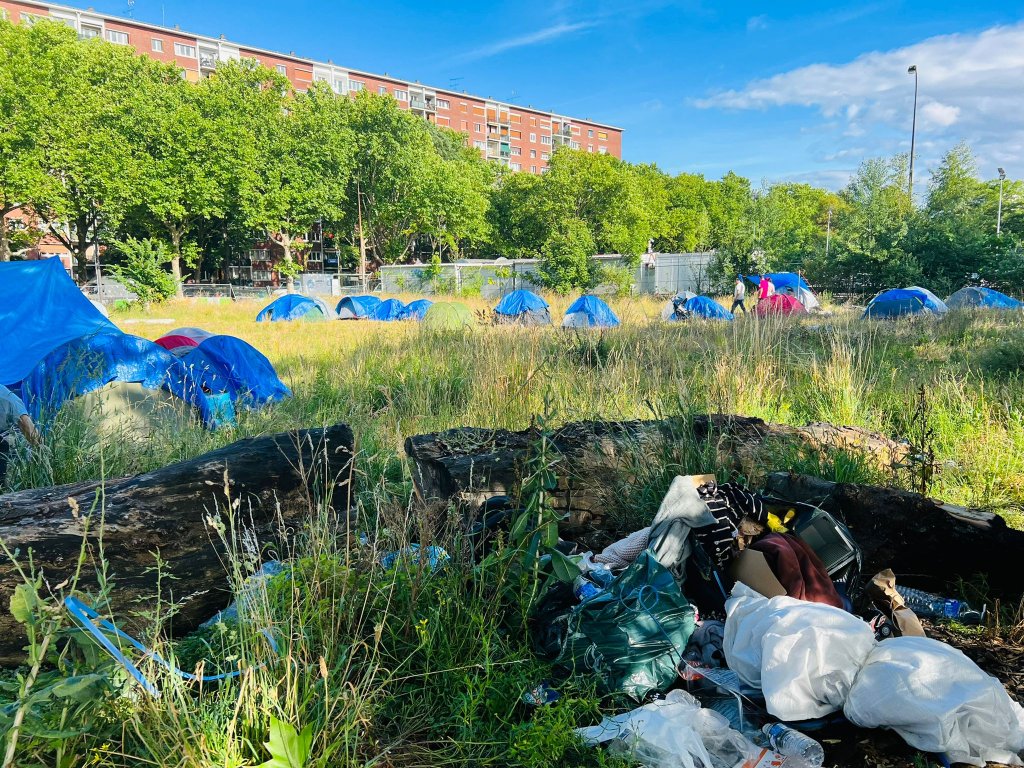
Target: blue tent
pixel 782 280
pixel 41 308
pixel 699 307
pixel 228 364
pixel 522 306
pixel 417 309
pixel 88 363
pixel 897 302
pixel 981 298
pixel 294 306
pixel 389 310
pixel 357 307
pixel 589 312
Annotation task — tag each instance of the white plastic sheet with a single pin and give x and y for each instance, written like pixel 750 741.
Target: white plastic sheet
pixel 672 733
pixel 804 656
pixel 938 700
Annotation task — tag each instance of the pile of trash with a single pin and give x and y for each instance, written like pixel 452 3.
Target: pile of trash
pixel 742 627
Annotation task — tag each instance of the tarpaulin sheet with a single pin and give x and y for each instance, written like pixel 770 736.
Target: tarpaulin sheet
pixel 357 307
pixel 417 309
pixel 294 306
pixel 981 298
pixel 590 311
pixel 41 308
pixel 228 364
pixel 518 302
pixel 389 310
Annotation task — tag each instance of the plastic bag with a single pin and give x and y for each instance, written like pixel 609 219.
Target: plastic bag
pixel 938 700
pixel 672 733
pixel 804 656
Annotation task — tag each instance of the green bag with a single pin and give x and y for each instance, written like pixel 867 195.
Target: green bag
pixel 633 634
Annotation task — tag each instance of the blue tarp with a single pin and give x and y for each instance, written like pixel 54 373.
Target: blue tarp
pixel 782 280
pixel 589 312
pixel 417 309
pixel 40 309
pixel 519 302
pixel 897 302
pixel 389 310
pixel 981 298
pixel 357 307
pixel 702 307
pixel 88 363
pixel 294 306
pixel 228 364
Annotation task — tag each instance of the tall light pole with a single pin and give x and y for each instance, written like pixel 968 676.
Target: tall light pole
pixel 828 233
pixel 999 213
pixel 912 70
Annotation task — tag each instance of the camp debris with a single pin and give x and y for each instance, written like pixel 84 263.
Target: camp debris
pixel 747 602
pixel 900 302
pixel 779 304
pixel 976 297
pixel 522 307
pixel 357 307
pixel 448 316
pixel 693 307
pixel 589 312
pixel 295 306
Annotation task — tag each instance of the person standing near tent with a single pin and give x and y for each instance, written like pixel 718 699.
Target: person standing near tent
pixel 739 295
pixel 766 288
pixel 13 415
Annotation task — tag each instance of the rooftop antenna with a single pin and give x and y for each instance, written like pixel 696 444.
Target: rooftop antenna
pixel 453 82
pixel 512 99
pixel 131 8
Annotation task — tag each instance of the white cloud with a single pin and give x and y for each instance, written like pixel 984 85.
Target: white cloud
pixel 971 87
pixel 545 35
pixel 755 23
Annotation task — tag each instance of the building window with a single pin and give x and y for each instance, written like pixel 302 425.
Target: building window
pixel 602 150
pixel 443 104
pixel 480 144
pixel 156 45
pixel 88 32
pixel 575 130
pixel 28 19
pixel 515 166
pixel 463 107
pixel 590 147
pixel 533 121
pixel 533 153
pixel 545 140
pixel 602 135
pixel 402 95
pixel 282 69
pixel 356 86
pixel 465 126
pixel 118 37
pixel 180 49
pixel 533 169
pixel 382 90
pixel 533 138
pixel 517 151
pixel 478 127
pixel 574 145
pixel 590 133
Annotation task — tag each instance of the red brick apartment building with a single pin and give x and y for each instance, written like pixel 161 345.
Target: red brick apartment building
pixel 521 138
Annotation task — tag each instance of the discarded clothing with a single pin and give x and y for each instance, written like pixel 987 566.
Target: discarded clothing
pixel 798 569
pixel 705 646
pixel 803 656
pixel 938 700
pixel 624 551
pixel 681 511
pixel 675 732
pixel 435 557
pixel 729 503
pixel 254 588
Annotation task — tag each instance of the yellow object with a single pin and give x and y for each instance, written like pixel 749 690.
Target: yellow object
pixel 778 524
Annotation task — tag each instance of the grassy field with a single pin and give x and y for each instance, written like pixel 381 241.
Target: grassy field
pixel 408 668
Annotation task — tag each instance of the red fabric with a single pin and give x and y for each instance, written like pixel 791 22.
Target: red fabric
pixel 779 304
pixel 174 342
pixel 763 288
pixel 798 569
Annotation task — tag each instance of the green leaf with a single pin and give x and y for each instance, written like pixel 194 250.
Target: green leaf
pixel 564 568
pixel 82 689
pixel 25 604
pixel 288 748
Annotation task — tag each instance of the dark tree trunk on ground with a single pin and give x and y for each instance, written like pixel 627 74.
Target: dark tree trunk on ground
pixel 928 544
pixel 597 459
pixel 274 481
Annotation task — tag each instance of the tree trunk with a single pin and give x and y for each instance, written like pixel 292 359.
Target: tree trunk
pixel 80 250
pixel 286 245
pixel 598 460
pixel 5 237
pixel 928 544
pixel 175 234
pixel 274 482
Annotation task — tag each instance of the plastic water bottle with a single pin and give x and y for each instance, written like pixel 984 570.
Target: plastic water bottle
pixel 931 606
pixel 791 743
pixel 584 589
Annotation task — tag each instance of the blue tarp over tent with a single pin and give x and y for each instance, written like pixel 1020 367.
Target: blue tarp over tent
pixel 389 310
pixel 897 302
pixel 782 280
pixel 41 308
pixel 357 307
pixel 294 306
pixel 701 307
pixel 88 363
pixel 589 312
pixel 417 309
pixel 520 301
pixel 228 364
pixel 981 298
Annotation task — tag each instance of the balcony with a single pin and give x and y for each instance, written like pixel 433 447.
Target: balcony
pixel 207 62
pixel 422 104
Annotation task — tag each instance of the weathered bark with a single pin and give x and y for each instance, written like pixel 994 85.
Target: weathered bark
pixel 597 459
pixel 273 482
pixel 176 234
pixel 928 544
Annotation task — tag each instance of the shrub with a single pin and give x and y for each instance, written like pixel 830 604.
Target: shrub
pixel 566 261
pixel 142 269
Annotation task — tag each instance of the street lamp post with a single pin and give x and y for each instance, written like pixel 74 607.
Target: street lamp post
pixel 912 70
pixel 999 213
pixel 828 233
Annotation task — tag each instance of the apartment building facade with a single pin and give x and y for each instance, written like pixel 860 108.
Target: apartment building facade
pixel 521 138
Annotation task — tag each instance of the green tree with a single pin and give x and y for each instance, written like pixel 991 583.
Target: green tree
pixel 567 258
pixel 791 221
pixel 142 269
pixel 516 215
pixel 688 220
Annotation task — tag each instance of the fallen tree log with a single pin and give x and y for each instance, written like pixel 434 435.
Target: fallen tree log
pixel 271 483
pixel 596 460
pixel 927 543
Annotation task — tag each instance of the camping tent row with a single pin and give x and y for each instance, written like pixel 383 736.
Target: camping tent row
pixel 59 346
pixel 901 302
pixel 294 306
pixel 522 307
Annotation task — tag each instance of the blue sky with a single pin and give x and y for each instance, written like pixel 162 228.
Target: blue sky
pixel 795 91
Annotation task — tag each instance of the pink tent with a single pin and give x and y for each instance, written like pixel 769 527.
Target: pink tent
pixel 779 304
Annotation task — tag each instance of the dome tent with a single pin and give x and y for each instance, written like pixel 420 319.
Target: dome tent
pixel 417 309
pixel 198 335
pixel 973 297
pixel 389 311
pixel 791 284
pixel 589 312
pixel 295 306
pixel 779 304
pixel 523 307
pixel 357 307
pixel 668 311
pixel 226 364
pixel 448 316
pixel 701 307
pixel 898 302
pixel 177 345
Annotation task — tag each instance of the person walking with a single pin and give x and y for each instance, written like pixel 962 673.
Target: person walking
pixel 763 288
pixel 739 295
pixel 14 416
